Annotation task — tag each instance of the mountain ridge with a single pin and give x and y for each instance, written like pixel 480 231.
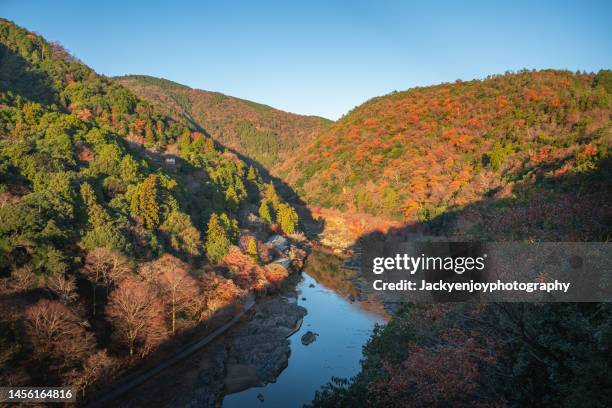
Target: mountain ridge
pixel 415 155
pixel 258 131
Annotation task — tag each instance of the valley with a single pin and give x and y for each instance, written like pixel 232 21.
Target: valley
pixel 138 216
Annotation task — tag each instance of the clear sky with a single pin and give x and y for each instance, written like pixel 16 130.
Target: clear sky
pixel 322 57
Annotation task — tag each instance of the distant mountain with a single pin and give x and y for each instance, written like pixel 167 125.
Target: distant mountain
pixel 519 155
pixel 257 131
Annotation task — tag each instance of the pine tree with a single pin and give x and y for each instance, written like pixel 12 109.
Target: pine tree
pixel 231 197
pixel 128 169
pixel 264 211
pixel 271 195
pixel 287 218
pixel 144 203
pixel 231 227
pixel 252 249
pixel 253 175
pixel 217 242
pixel 96 215
pixel 149 133
pixel 209 146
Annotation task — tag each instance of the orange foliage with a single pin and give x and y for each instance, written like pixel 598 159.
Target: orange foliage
pixel 589 151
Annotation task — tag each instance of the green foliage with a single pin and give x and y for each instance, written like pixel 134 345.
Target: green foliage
pixel 129 170
pixel 217 240
pixel 270 194
pixel 145 202
pixel 604 78
pixel 102 230
pixel 85 190
pixel 183 236
pixel 497 156
pixel 451 144
pixel 257 131
pixel 264 211
pixel 287 218
pixel 252 249
pixel 231 227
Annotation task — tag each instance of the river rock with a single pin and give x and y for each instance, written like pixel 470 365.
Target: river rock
pixel 261 343
pixel 309 338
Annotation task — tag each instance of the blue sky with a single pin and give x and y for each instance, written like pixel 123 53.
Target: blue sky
pixel 322 57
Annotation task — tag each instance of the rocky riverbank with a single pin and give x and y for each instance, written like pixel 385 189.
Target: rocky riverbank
pixel 251 354
pixel 259 348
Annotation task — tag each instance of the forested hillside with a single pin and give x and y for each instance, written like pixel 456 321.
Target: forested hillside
pixel 112 217
pixel 519 157
pixel 257 131
pixel 415 155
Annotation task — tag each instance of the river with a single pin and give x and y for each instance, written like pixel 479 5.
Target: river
pixel 343 327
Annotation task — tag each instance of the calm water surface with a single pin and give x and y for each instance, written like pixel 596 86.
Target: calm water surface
pixel 343 329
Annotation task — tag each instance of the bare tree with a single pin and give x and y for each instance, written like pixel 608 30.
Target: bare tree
pixel 57 331
pixel 64 287
pixel 105 266
pixel 98 368
pixel 21 279
pixel 177 288
pixel 137 314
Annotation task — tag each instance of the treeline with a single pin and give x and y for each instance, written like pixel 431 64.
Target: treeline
pixel 106 238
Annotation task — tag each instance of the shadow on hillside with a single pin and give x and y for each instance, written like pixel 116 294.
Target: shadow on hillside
pixel 126 383
pixel 311 226
pixel 21 77
pixel 573 207
pixel 191 349
pixel 181 168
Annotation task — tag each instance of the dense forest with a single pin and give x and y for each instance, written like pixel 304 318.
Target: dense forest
pixel 120 226
pixel 518 157
pixel 257 131
pixel 417 154
pixel 126 222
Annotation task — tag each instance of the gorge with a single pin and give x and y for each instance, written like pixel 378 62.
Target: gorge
pixel 139 215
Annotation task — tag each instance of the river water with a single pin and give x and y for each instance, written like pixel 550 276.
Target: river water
pixel 343 327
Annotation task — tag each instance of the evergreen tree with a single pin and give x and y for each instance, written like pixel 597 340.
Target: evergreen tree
pixel 287 218
pixel 231 227
pixel 183 236
pixel 144 203
pixel 231 197
pixel 149 132
pixel 217 241
pixel 101 231
pixel 271 194
pixel 96 215
pixel 253 175
pixel 128 169
pixel 252 249
pixel 264 211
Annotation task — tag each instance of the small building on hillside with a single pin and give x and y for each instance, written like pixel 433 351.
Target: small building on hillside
pixel 278 242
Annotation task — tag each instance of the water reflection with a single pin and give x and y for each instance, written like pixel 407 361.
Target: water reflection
pixel 343 327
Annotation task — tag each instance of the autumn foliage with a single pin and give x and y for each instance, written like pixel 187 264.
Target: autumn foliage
pixel 412 154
